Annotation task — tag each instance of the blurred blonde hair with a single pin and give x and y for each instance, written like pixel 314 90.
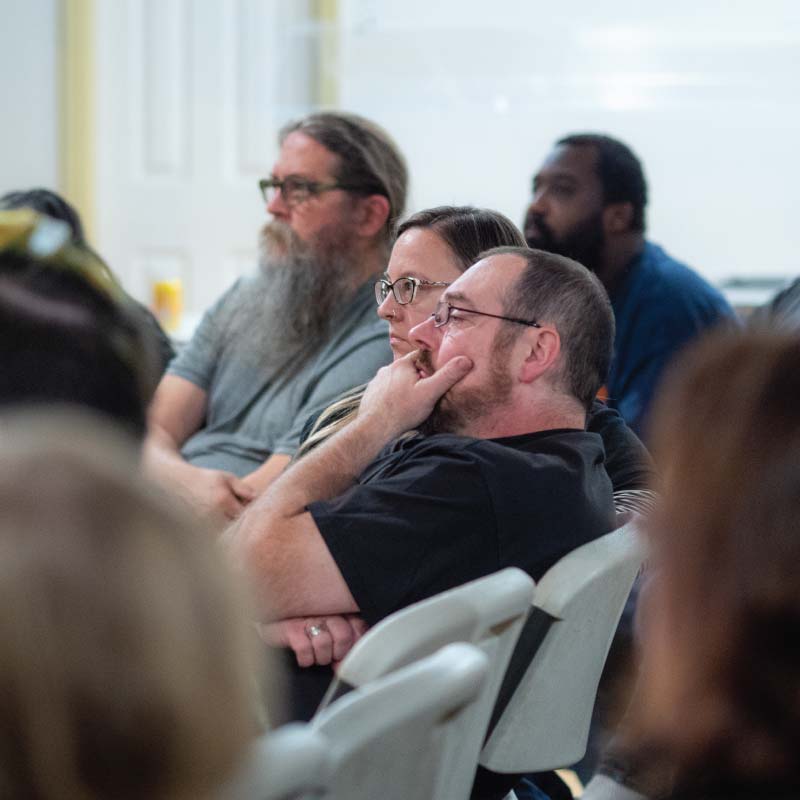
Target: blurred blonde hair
pixel 126 666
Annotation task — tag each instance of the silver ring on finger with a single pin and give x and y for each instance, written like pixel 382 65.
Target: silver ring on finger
pixel 312 631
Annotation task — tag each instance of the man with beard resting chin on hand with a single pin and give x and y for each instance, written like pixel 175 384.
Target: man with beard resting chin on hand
pixel 501 473
pixel 279 347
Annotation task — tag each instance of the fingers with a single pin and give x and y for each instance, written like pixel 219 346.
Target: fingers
pixel 243 490
pixel 358 626
pixel 230 506
pixel 321 641
pixel 447 375
pixel 297 638
pixel 342 635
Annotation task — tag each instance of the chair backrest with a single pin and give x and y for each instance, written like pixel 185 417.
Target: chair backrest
pixel 389 738
pixel 488 612
pixel 546 723
pixel 285 764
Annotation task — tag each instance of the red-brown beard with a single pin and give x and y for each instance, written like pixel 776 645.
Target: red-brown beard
pixel 459 407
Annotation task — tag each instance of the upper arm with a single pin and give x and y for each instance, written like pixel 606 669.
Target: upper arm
pixel 294 573
pixel 178 409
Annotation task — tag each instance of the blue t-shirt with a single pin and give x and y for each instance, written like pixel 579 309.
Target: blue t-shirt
pixel 660 305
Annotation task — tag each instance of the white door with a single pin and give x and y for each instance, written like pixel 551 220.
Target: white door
pixel 190 95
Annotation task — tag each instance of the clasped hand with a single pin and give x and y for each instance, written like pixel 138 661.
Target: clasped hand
pixel 401 399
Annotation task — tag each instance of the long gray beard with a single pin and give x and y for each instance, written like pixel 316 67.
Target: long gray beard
pixel 300 289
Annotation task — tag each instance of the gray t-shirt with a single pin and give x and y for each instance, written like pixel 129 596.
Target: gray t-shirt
pixel 252 412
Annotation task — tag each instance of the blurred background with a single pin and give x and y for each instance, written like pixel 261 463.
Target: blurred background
pixel 157 117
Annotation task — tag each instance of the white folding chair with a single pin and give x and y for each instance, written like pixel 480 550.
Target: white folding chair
pixel 388 738
pixel 545 724
pixel 489 613
pixel 283 765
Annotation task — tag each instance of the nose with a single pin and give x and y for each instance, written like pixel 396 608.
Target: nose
pixel 390 308
pixel 277 205
pixel 538 203
pixel 426 336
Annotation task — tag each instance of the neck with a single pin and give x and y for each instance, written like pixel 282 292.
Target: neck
pixel 618 253
pixel 528 416
pixel 368 261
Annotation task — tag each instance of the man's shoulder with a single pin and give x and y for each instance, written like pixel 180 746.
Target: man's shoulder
pixel 673 277
pixel 539 448
pixel 359 323
pixel 672 290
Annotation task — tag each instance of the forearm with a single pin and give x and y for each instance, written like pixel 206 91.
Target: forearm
pixel 261 478
pixel 322 474
pixel 162 455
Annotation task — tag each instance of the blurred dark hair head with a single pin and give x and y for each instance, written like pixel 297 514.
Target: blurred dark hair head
pixel 67 335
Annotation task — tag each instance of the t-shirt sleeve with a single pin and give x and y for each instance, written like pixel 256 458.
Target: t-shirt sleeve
pixel 407 535
pixel 628 463
pixel 198 359
pixel 354 368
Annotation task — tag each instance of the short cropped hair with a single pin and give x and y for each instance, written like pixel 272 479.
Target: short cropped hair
pixel 466 230
pixel 368 157
pixel 619 170
pixel 126 665
pixel 557 290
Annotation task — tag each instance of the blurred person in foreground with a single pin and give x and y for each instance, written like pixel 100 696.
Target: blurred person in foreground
pixel 589 201
pixel 68 334
pixel 281 345
pixel 126 668
pixel 46 201
pixel 720 681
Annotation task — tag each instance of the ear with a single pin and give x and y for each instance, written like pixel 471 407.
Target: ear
pixel 543 347
pixel 617 218
pixel 371 215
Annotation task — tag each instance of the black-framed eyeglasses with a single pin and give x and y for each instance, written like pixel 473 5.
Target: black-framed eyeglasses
pixel 296 190
pixel 404 289
pixel 442 316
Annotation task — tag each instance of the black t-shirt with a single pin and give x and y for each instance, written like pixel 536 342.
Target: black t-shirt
pixel 431 513
pixel 628 463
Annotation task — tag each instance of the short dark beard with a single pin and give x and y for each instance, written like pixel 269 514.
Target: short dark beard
pixel 583 244
pixel 300 290
pixel 457 410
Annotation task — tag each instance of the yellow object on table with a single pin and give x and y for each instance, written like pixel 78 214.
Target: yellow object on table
pixel 168 303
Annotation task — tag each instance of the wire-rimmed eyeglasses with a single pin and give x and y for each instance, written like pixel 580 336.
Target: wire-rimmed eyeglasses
pixel 404 289
pixel 442 316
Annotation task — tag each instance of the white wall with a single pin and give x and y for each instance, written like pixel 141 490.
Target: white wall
pixel 706 93
pixel 28 94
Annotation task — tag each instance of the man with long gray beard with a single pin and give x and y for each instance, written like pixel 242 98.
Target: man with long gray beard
pixel 279 347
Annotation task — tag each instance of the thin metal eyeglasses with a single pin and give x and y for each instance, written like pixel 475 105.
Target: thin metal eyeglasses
pixel 442 316
pixel 404 289
pixel 297 190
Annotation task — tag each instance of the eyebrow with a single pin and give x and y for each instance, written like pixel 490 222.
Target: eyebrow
pixel 459 296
